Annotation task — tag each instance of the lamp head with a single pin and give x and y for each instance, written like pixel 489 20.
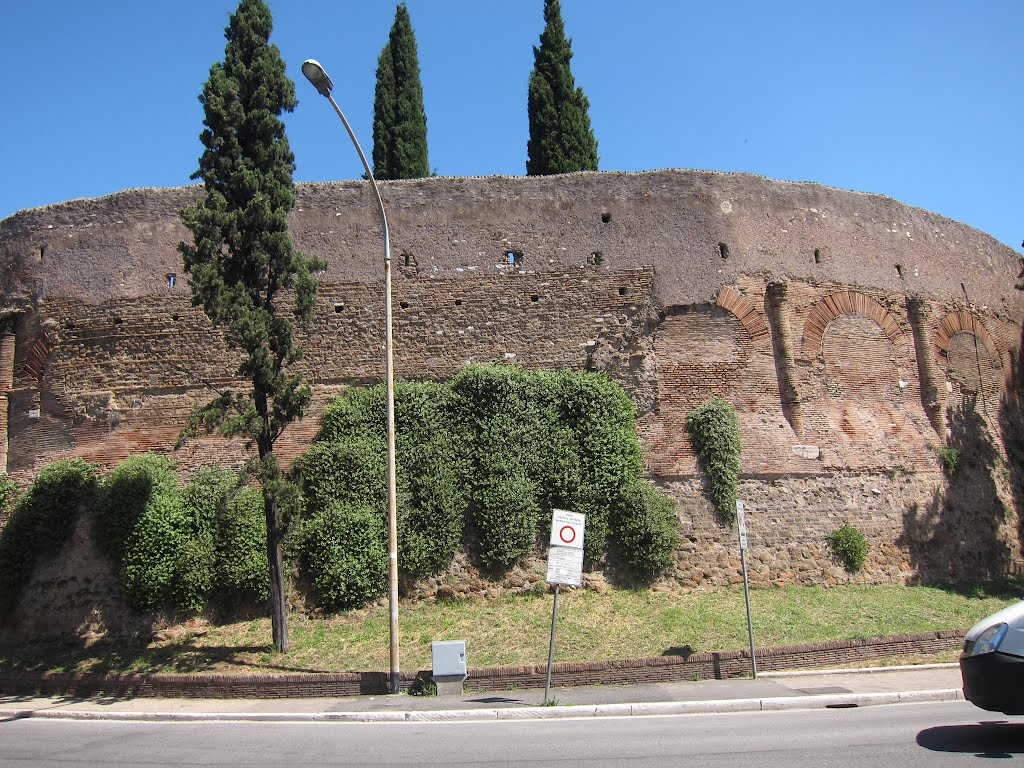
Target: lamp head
pixel 317 76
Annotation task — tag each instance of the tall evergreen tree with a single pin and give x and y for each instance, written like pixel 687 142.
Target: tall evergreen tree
pixel 242 264
pixel 399 120
pixel 561 139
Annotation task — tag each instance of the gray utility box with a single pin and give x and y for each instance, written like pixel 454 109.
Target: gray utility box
pixel 449 666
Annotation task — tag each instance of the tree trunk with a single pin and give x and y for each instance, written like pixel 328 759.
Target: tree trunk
pixel 278 616
pixel 269 476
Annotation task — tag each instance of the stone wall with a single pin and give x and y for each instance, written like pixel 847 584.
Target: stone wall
pixel 854 335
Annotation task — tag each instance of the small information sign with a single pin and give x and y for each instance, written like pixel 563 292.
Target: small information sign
pixel 565 566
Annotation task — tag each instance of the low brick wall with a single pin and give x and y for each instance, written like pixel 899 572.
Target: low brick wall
pixel 659 669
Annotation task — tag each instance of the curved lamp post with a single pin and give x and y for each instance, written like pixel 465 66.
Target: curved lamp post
pixel 322 82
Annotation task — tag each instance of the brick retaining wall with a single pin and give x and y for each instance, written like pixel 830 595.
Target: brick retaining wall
pixel 660 669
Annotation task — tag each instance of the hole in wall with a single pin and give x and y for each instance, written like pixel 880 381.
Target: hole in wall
pixel 458 302
pixel 171 279
pixel 339 307
pixel 817 255
pixel 175 317
pixel 403 304
pixel 596 257
pixel 623 291
pixel 535 297
pixel 42 252
pixel 723 250
pixel 117 320
pixel 514 258
pixel 69 324
pixel 606 218
pixel 408 259
pixel 899 270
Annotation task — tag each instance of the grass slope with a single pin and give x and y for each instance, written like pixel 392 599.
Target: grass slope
pixel 514 630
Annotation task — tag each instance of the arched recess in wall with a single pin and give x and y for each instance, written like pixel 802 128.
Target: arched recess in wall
pixel 743 309
pixel 701 351
pixel 967 352
pixel 844 303
pixel 861 346
pixel 855 335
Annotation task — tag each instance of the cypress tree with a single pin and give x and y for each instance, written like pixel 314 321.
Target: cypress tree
pixel 399 120
pixel 561 139
pixel 242 262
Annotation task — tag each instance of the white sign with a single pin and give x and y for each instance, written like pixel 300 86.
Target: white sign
pixel 567 529
pixel 565 566
pixel 741 523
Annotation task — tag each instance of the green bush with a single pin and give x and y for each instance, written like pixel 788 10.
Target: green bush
pixel 162 563
pixel 849 545
pixel 483 460
pixel 241 569
pixel 592 450
pixel 177 545
pixel 715 432
pixel 504 518
pixel 230 523
pixel 505 432
pixel 647 530
pixel 127 490
pixel 432 467
pixel 950 455
pixel 349 472
pixel 349 464
pixel 8 495
pixel 345 555
pixel 41 523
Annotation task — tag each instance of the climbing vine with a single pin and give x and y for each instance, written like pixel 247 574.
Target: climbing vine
pixel 715 433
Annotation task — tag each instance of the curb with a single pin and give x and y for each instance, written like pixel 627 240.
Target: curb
pixel 774 704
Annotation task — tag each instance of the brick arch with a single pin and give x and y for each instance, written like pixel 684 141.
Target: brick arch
pixel 960 321
pixel 845 303
pixel 743 309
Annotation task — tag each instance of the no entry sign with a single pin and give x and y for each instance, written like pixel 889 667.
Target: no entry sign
pixel 567 529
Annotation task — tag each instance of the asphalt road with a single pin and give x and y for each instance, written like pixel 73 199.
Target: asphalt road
pixel 903 735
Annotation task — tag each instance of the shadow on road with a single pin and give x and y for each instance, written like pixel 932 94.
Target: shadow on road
pixel 992 739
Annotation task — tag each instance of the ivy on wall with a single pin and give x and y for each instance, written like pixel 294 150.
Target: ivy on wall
pixel 41 523
pixel 715 433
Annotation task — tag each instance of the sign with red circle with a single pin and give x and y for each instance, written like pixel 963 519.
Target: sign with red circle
pixel 567 529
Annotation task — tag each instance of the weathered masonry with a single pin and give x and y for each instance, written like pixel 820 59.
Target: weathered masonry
pixel 855 336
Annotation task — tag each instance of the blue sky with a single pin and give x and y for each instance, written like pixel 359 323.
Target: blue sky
pixel 920 100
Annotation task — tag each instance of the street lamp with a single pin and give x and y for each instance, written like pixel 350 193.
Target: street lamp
pixel 322 82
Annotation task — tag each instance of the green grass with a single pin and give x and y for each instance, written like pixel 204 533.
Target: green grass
pixel 615 624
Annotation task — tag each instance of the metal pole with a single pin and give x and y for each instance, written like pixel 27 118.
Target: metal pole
pixel 390 384
pixel 551 647
pixel 750 625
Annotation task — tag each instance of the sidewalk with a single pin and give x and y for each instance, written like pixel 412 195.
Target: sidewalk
pixel 771 691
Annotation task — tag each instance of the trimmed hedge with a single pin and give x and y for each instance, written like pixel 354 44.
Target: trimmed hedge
pixel 345 554
pixel 647 530
pixel 179 547
pixel 483 460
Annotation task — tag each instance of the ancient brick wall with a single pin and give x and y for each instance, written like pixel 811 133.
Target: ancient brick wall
pixel 853 334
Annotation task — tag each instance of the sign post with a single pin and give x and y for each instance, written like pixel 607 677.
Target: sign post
pixel 741 524
pixel 565 566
